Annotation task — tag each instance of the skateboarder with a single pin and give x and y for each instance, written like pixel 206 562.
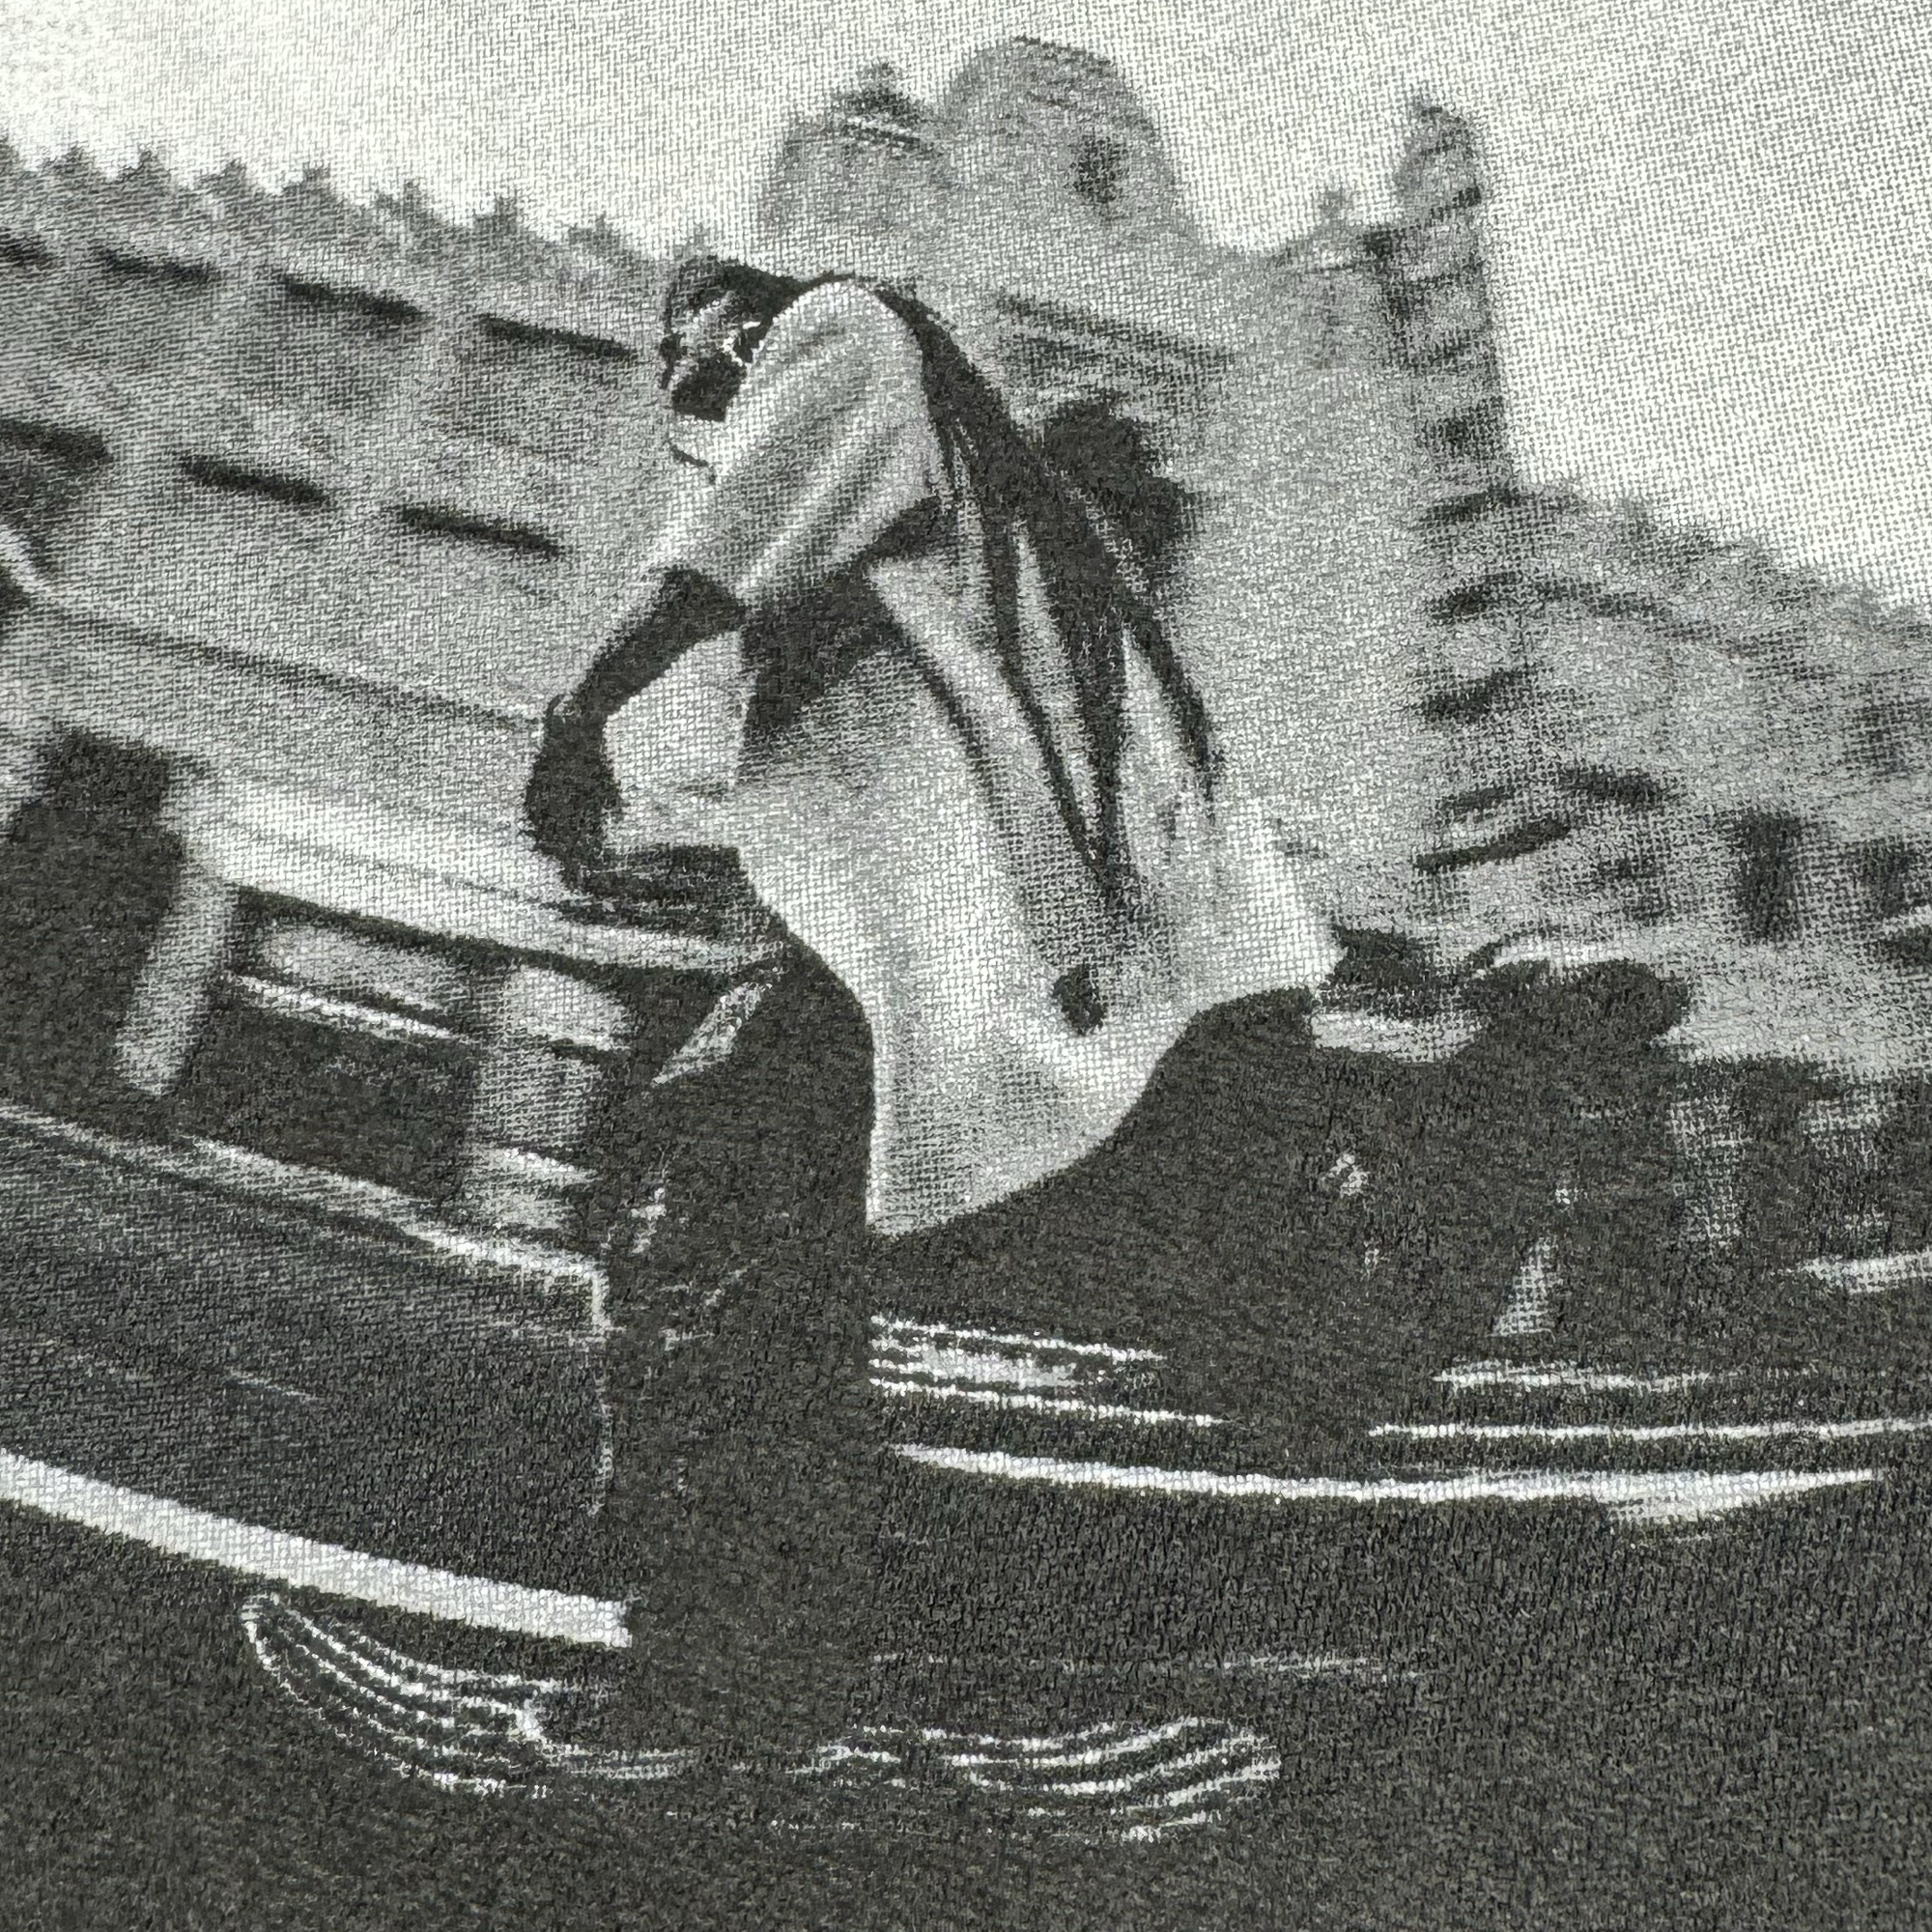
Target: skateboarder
pixel 888 654
pixel 961 764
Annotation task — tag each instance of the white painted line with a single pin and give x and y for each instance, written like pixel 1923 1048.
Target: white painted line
pixel 548 1265
pixel 1089 1411
pixel 327 1010
pixel 177 1529
pixel 1262 1771
pixel 1662 1495
pixel 892 1324
pixel 1781 1429
pixel 717 1033
pixel 1146 1834
pixel 987 1367
pixel 1243 1772
pixel 1574 1375
pixel 1877 1274
pixel 1115 1747
pixel 267 1387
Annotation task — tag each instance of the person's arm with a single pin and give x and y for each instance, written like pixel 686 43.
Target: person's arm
pixel 825 447
pixel 675 610
pixel 572 793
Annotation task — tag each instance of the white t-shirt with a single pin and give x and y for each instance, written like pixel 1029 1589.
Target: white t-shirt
pixel 894 808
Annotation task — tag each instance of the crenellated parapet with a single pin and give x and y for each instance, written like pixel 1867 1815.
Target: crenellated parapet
pixel 366 438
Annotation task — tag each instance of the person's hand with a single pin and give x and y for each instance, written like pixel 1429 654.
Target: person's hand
pixel 572 793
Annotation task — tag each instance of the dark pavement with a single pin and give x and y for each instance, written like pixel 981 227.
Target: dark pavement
pixel 1724 1732
pixel 1485 1716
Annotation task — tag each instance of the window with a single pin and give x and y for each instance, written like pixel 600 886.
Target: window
pixel 314 346
pixel 337 959
pixel 341 1047
pixel 1099 172
pixel 23 256
pixel 1476 435
pixel 136 315
pixel 1769 845
pixel 546 392
pixel 1891 874
pixel 1882 738
pixel 1630 875
pixel 46 473
pixel 26 268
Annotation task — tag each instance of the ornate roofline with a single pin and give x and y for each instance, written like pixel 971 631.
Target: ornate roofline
pixel 70 195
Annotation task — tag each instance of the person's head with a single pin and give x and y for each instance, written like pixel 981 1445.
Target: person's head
pixel 715 312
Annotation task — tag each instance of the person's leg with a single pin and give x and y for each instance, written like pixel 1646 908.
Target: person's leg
pixel 743 1506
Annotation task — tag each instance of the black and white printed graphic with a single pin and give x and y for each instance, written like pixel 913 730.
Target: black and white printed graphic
pixel 922 1004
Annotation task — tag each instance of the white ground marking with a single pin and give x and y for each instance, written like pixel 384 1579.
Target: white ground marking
pixel 1783 1429
pixel 1656 1496
pixel 1092 1411
pixel 1018 1369
pixel 1574 1375
pixel 1237 1753
pixel 178 1529
pixel 1876 1274
pixel 897 1326
pixel 1073 1752
pixel 267 1387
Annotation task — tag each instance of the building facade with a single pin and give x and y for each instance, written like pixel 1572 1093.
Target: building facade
pixel 335 495
pixel 331 497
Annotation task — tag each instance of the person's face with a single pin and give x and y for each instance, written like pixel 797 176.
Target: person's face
pixel 704 356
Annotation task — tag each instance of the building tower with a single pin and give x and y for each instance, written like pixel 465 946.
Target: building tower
pixel 1503 811
pixel 1059 136
pixel 1438 299
pixel 848 185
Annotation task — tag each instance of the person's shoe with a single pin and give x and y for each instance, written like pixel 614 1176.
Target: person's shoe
pixel 492 1733
pixel 466 1730
pixel 1121 1781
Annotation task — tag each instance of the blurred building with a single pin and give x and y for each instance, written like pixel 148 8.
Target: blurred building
pixel 333 496
pixel 336 496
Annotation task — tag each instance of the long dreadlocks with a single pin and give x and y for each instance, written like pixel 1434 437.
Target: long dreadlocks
pixel 1094 593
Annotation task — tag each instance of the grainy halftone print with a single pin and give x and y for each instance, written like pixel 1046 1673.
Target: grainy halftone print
pixel 898 1042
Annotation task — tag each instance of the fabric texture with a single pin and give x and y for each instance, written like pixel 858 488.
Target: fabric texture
pixel 893 800
pixel 743 1516
pixel 538 1394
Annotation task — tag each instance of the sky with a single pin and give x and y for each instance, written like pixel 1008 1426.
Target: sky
pixel 1708 237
